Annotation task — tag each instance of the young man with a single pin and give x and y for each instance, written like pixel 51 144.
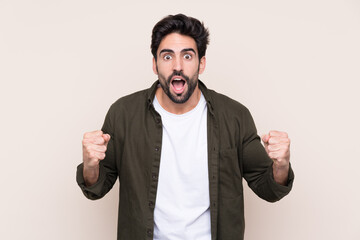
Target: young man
pixel 181 150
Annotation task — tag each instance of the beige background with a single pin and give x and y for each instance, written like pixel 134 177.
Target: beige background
pixel 294 64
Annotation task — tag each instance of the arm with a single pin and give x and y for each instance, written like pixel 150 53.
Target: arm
pixel 98 172
pixel 267 178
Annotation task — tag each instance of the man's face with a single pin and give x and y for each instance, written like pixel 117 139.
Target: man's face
pixel 178 66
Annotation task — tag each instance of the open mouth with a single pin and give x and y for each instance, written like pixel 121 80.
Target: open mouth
pixel 178 85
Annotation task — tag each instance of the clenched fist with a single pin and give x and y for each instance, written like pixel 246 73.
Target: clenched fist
pixel 277 146
pixel 94 147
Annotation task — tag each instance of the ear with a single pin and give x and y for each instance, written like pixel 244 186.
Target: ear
pixel 154 66
pixel 202 65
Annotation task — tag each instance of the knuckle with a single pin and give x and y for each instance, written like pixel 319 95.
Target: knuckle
pixel 102 156
pixel 85 135
pixel 101 149
pixel 92 155
pixel 88 148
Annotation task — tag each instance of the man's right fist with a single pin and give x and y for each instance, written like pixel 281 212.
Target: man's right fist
pixel 94 148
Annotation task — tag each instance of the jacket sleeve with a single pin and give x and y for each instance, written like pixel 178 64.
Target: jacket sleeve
pixel 257 166
pixel 108 171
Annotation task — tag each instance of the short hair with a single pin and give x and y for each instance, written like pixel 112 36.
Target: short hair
pixel 183 25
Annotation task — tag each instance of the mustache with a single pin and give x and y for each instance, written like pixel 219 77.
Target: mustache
pixel 178 73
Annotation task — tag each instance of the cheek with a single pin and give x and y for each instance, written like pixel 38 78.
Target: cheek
pixel 163 68
pixel 162 76
pixel 191 65
pixel 192 69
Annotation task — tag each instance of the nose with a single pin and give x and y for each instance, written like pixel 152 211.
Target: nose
pixel 177 66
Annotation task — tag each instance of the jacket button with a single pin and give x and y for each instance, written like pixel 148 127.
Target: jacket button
pixel 149 232
pixel 151 203
pixel 154 176
pixel 157 149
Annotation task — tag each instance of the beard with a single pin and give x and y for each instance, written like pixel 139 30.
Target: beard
pixel 183 97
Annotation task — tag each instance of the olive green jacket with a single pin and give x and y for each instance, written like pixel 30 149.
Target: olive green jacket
pixel 133 155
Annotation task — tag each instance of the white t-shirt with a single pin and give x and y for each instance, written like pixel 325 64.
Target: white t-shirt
pixel 182 209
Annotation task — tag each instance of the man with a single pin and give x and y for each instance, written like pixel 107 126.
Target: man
pixel 181 150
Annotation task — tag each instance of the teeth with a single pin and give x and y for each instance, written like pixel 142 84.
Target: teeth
pixel 177 79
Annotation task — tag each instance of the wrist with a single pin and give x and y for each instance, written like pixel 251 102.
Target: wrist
pixel 281 173
pixel 90 174
pixel 91 164
pixel 281 165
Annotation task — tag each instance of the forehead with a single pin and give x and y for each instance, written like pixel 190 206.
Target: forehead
pixel 177 42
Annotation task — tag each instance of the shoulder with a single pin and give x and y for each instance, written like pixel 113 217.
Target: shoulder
pixel 223 104
pixel 232 116
pixel 130 103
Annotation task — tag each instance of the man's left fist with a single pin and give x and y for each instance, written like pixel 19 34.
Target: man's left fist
pixel 277 146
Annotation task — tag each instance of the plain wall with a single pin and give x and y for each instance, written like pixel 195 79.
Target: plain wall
pixel 294 64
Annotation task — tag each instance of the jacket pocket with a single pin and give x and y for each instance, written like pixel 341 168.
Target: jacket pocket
pixel 230 179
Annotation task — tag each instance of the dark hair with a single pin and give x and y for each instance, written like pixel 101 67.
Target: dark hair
pixel 183 25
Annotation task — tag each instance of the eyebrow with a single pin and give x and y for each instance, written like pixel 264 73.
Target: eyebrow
pixel 172 51
pixel 188 49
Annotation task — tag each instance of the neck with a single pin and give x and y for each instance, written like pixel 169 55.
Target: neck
pixel 178 108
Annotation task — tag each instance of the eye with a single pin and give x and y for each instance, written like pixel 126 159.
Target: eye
pixel 187 56
pixel 167 57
